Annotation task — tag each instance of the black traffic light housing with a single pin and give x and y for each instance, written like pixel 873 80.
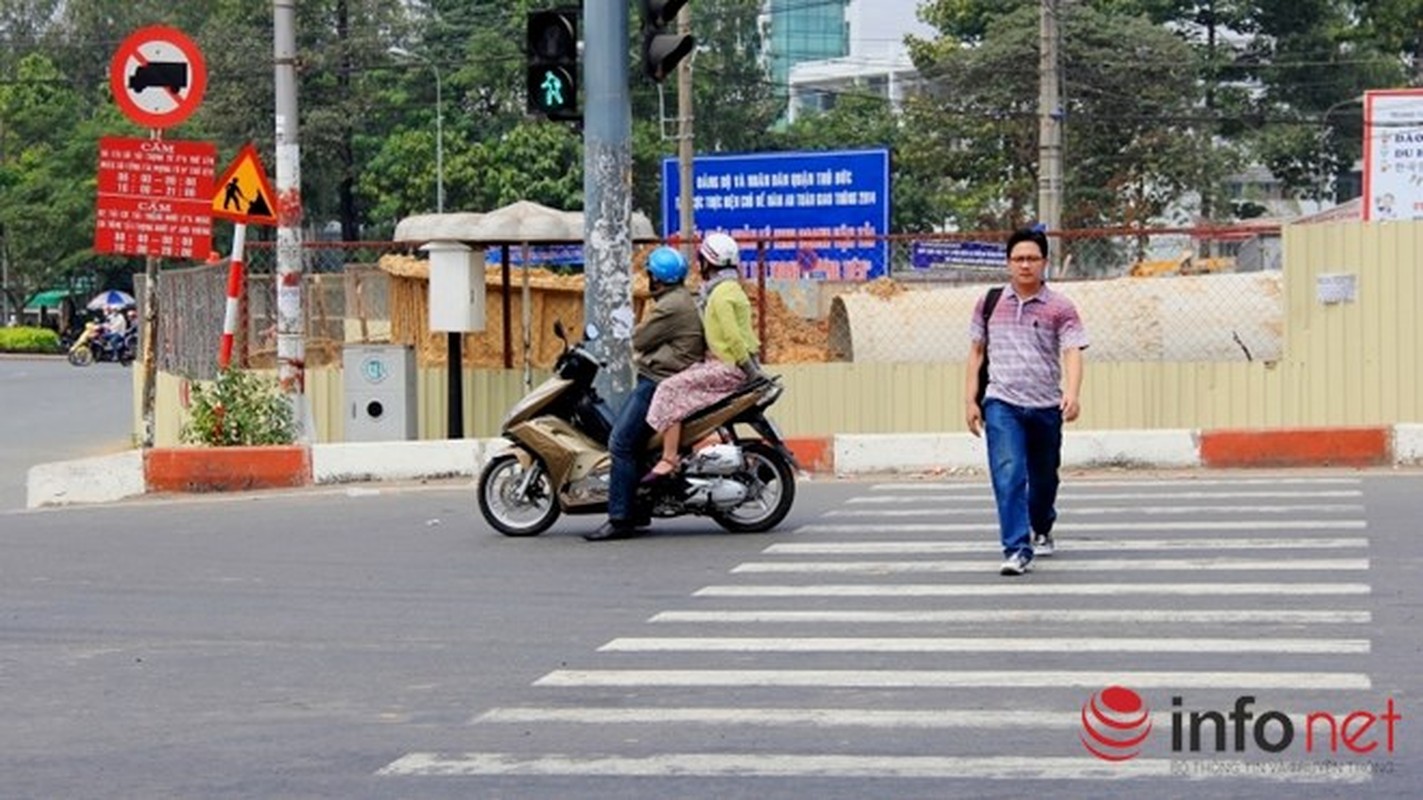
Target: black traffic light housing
pixel 552 65
pixel 662 49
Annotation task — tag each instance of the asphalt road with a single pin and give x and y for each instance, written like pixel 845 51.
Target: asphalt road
pixel 382 643
pixel 51 411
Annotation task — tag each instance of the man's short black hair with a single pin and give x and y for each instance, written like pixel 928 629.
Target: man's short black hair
pixel 1029 235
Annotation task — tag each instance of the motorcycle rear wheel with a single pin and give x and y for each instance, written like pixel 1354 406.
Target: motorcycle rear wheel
pixel 509 514
pixel 81 356
pixel 776 480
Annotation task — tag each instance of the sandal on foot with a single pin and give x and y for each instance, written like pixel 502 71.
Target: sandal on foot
pixel 659 471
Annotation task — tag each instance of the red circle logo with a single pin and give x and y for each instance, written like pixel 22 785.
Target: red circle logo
pixel 1114 724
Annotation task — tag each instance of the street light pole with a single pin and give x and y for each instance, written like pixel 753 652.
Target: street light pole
pixel 454 340
pixel 1325 139
pixel 401 52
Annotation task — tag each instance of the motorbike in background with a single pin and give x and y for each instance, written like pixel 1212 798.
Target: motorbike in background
pixel 93 345
pixel 557 460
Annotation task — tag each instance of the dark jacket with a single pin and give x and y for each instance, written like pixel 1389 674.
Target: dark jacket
pixel 670 338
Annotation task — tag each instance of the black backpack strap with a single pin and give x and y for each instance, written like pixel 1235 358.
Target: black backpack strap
pixel 990 302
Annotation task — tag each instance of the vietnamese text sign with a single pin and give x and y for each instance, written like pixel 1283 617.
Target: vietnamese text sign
pixel 959 255
pixel 824 210
pixel 154 197
pixel 1393 155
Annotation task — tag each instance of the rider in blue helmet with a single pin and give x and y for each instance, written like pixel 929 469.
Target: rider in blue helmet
pixel 668 340
pixel 666 266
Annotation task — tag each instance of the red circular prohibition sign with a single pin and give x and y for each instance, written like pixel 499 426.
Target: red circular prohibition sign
pixel 158 76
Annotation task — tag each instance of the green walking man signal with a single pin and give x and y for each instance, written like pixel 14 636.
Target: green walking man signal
pixel 553 90
pixel 552 71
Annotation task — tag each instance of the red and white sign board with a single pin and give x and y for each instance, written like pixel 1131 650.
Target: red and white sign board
pixel 154 197
pixel 158 76
pixel 1393 155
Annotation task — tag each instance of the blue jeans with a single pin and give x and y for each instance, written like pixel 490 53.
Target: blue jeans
pixel 626 444
pixel 1024 451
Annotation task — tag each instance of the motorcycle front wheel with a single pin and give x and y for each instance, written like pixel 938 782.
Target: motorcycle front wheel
pixel 772 481
pixel 502 505
pixel 81 356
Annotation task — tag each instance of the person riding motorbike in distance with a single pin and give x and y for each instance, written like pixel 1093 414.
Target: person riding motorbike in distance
pixel 667 341
pixel 115 326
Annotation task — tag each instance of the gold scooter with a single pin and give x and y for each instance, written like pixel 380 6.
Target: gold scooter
pixel 557 460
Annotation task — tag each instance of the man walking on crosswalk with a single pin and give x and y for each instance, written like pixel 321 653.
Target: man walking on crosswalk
pixel 1030 336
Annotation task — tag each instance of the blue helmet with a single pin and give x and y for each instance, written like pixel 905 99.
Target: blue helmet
pixel 666 265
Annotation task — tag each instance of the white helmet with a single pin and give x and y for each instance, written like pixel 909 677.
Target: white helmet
pixel 720 250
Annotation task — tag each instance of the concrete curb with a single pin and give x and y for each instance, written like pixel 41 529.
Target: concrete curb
pixel 226 469
pixel 117 477
pixel 100 479
pixel 399 461
pixel 1408 445
pixel 1298 447
pixel 861 454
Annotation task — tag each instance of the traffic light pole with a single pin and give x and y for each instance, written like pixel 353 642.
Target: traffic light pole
pixel 685 149
pixel 607 193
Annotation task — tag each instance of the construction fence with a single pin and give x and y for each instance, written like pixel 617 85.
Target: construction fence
pixel 1202 295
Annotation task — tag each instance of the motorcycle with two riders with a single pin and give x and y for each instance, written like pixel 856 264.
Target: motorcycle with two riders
pixel 557 460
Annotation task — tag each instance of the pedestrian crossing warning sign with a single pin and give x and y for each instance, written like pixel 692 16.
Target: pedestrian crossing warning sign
pixel 243 193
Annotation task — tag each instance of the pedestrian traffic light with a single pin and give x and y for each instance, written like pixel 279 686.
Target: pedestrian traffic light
pixel 662 49
pixel 552 86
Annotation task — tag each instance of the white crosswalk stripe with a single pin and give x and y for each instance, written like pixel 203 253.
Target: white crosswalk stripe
pixel 756 765
pixel 1034 590
pixel 1104 527
pixel 979 510
pixel 983 495
pixel 981 545
pixel 1085 565
pixel 907 644
pixel 1020 655
pixel 928 679
pixel 1039 616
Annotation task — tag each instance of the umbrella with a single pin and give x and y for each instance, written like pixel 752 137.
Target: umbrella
pixel 109 299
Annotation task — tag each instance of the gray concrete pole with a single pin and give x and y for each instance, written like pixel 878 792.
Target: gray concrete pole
pixel 5 283
pixel 1050 116
pixel 686 152
pixel 291 322
pixel 607 192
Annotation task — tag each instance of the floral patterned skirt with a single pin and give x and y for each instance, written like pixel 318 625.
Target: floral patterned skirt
pixel 691 390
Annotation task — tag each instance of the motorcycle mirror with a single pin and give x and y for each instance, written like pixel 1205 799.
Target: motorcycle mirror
pixel 590 332
pixel 559 331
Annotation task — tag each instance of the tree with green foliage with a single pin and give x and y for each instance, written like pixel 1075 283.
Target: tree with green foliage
pixel 867 121
pixel 733 100
pixel 1133 142
pixel 46 141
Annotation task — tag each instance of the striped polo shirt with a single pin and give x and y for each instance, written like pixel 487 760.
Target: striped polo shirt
pixel 1025 344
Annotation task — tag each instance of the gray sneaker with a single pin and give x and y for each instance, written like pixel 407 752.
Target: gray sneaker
pixel 1043 545
pixel 1016 564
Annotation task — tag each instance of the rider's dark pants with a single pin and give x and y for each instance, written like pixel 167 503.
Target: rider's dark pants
pixel 626 443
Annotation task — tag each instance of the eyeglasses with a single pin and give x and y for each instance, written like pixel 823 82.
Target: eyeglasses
pixel 1026 259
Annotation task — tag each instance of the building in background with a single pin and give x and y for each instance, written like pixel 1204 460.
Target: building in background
pixel 793 31
pixel 819 49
